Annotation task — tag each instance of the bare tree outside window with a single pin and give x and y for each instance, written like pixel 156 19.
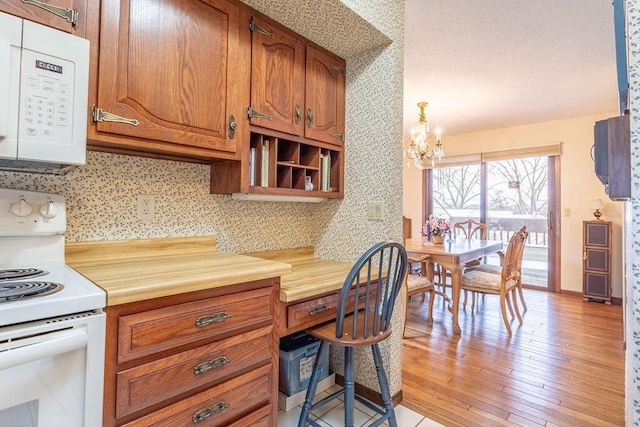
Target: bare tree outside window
pixel 456 191
pixel 530 198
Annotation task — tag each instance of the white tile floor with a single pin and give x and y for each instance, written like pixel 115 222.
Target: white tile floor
pixel 332 414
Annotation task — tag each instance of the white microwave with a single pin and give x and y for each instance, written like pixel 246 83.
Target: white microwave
pixel 44 78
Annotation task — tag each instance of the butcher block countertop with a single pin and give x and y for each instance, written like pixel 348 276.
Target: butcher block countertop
pixel 136 270
pixel 309 276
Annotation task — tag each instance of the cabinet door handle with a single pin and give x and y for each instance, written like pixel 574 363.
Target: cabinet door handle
pixel 207 412
pixel 212 318
pixel 212 364
pixel 298 113
pixel 232 126
pixel 99 115
pixel 309 117
pixel 69 15
pixel 318 309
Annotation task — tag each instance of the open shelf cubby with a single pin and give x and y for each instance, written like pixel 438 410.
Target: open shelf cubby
pixel 278 164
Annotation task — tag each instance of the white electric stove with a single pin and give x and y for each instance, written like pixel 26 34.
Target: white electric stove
pixel 52 328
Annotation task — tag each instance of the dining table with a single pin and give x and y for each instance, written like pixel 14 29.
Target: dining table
pixel 452 254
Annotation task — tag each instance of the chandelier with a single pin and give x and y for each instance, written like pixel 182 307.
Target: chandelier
pixel 419 149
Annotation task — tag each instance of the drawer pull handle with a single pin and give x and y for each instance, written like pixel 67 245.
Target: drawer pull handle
pixel 212 364
pixel 318 309
pixel 207 412
pixel 363 295
pixel 212 318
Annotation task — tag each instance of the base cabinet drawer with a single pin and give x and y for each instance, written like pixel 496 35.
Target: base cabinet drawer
pixel 259 418
pixel 152 331
pixel 325 308
pixel 154 382
pixel 218 406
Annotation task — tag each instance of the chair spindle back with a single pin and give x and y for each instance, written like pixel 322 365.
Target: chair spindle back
pixel 377 277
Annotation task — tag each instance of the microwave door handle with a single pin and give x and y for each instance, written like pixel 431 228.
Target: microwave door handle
pixel 52 345
pixel 5 75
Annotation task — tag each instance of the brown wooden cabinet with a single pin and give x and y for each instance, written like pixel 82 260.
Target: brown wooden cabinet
pixel 325 96
pixel 167 80
pixel 277 75
pixel 169 360
pixel 69 16
pixel 296 113
pixel 596 256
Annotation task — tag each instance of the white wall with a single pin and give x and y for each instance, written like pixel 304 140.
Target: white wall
pixel 578 182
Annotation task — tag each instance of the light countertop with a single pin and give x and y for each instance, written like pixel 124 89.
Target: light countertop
pixel 136 270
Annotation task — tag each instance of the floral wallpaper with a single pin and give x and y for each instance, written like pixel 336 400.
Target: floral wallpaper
pixel 633 291
pixel 102 205
pixel 102 195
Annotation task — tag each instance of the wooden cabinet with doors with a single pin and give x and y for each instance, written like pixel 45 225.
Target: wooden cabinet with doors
pixel 69 16
pixel 277 75
pixel 296 113
pixel 596 256
pixel 296 87
pixel 325 96
pixel 167 78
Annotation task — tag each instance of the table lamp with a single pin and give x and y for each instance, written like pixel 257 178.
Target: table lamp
pixel 596 205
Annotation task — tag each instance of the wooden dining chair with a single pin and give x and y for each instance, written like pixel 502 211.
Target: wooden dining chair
pixel 497 269
pixel 418 284
pixel 505 284
pixel 470 229
pixel 380 273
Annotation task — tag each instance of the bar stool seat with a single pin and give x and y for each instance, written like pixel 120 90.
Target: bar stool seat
pixel 371 287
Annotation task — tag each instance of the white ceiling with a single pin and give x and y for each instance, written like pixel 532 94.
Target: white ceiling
pixel 489 64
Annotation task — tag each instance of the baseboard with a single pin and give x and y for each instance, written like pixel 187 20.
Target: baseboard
pixel 571 293
pixel 370 395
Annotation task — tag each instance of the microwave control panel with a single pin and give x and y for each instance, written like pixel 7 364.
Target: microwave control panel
pixel 47 98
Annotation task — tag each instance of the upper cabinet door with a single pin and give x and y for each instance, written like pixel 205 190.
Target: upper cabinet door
pixel 277 77
pixel 169 66
pixel 65 15
pixel 325 96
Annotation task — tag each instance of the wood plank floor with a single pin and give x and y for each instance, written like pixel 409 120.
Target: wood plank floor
pixel 564 366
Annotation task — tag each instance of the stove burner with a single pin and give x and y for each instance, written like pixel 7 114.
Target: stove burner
pixel 20 273
pixel 22 290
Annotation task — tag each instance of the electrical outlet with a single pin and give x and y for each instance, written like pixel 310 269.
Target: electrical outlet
pixel 375 211
pixel 146 206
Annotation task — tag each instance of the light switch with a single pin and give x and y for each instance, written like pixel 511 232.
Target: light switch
pixel 567 212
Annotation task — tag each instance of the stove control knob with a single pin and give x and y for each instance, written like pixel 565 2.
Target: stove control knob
pixel 21 208
pixel 49 210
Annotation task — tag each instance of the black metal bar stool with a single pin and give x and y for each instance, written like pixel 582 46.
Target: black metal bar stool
pixel 371 288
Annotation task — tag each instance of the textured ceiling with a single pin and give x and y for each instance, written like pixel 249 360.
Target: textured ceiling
pixel 330 23
pixel 499 63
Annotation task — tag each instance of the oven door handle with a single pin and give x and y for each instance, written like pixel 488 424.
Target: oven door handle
pixel 52 345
